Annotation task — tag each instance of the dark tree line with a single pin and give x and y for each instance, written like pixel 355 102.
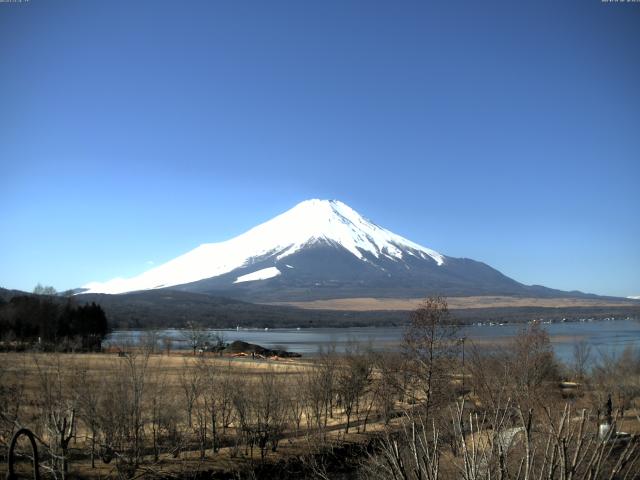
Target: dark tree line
pixel 42 320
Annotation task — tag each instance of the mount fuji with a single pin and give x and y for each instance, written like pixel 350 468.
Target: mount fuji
pixel 321 249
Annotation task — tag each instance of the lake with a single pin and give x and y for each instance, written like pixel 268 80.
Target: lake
pixel 607 337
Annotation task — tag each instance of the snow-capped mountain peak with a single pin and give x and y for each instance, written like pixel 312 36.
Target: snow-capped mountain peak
pixel 334 221
pixel 310 222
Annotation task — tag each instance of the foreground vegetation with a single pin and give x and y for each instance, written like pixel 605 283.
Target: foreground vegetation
pixel 441 408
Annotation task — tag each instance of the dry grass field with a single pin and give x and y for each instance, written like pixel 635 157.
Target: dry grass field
pixel 455 303
pixel 185 386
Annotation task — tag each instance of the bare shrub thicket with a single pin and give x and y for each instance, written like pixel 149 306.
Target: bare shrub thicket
pixel 617 377
pixel 524 370
pixel 559 445
pixel 12 407
pixel 513 423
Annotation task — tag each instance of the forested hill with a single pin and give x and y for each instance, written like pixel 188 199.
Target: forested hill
pixel 168 308
pixel 174 309
pixel 50 322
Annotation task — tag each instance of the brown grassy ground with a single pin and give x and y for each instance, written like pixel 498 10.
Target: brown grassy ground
pixel 29 367
pixel 171 366
pixel 367 304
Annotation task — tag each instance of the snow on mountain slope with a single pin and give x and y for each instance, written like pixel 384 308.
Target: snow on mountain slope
pixel 263 274
pixel 309 222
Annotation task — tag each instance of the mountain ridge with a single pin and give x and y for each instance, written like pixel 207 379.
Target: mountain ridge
pixel 309 223
pixel 322 249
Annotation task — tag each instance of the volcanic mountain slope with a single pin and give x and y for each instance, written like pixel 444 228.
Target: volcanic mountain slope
pixel 322 249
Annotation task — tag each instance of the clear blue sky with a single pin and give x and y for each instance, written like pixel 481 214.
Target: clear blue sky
pixel 507 132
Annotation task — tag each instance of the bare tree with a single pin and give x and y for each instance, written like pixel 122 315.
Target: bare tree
pixel 354 377
pixel 581 358
pixel 136 367
pixel 218 398
pixel 202 411
pixel 44 290
pixel 157 408
pixel 191 384
pixel 58 409
pixel 387 384
pixel 491 377
pixel 295 400
pixel 125 418
pixel 319 390
pixel 314 395
pixel 532 362
pixel 225 396
pixel 241 391
pixel 167 343
pixel 196 336
pixel 270 411
pixel 218 341
pixel 149 341
pixel 326 378
pixel 431 345
pixel 88 391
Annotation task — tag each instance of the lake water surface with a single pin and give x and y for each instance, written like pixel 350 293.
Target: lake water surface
pixel 607 337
